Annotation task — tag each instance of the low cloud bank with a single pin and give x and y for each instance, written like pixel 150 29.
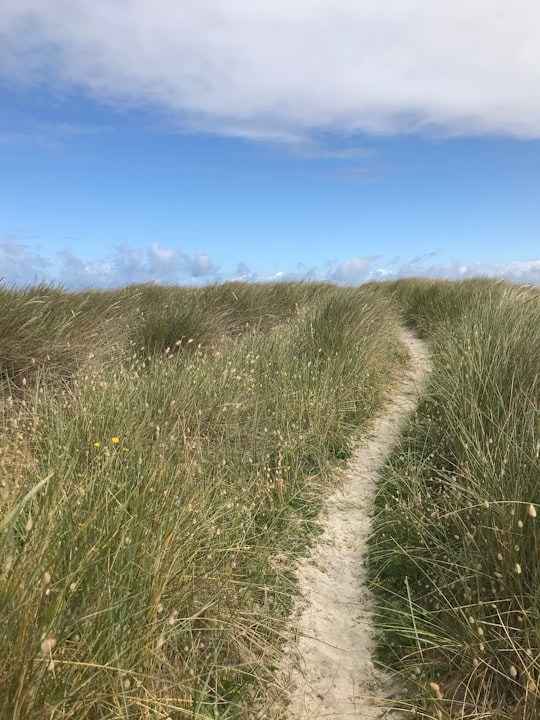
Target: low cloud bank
pixel 21 266
pixel 360 270
pixel 128 265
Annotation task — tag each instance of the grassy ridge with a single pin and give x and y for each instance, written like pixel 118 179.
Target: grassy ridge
pixel 159 449
pixel 454 556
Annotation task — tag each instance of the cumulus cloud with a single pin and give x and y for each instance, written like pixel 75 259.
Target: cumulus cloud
pixel 128 265
pixel 353 272
pixel 521 272
pixel 20 265
pixel 363 269
pixel 281 70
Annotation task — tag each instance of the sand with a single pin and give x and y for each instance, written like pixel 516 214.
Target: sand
pixel 329 670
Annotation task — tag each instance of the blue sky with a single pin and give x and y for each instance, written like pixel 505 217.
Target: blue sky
pixel 200 142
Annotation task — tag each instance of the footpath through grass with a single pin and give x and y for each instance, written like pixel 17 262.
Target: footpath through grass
pixel 159 448
pixel 455 552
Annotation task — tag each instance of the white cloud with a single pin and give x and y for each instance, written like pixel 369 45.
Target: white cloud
pixel 281 70
pixel 363 269
pixel 353 272
pixel 527 271
pixel 162 262
pixel 127 266
pixel 21 265
pixel 77 273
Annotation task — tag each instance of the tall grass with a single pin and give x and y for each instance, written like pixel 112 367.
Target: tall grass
pixel 455 557
pixel 163 453
pixel 47 327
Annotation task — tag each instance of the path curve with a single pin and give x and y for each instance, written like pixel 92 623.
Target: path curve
pixel 331 671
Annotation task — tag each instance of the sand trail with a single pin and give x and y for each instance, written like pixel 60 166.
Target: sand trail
pixel 331 674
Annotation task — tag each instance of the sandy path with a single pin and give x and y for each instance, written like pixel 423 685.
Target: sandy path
pixel 333 675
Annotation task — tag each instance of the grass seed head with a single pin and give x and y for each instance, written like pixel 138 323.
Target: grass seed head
pixel 48 644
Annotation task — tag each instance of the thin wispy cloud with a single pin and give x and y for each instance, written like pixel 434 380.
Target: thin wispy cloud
pixel 49 135
pixel 280 70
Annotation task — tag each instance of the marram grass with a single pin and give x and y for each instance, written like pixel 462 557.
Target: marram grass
pixel 455 551
pixel 163 454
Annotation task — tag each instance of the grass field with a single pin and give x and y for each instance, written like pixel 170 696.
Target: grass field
pixel 163 455
pixel 455 551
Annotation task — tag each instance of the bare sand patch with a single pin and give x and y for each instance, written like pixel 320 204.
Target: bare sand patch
pixel 330 673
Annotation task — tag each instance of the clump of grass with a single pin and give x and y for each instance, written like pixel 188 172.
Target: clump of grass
pixel 140 580
pixel 454 555
pixel 177 319
pixel 173 320
pixel 427 303
pixel 45 329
